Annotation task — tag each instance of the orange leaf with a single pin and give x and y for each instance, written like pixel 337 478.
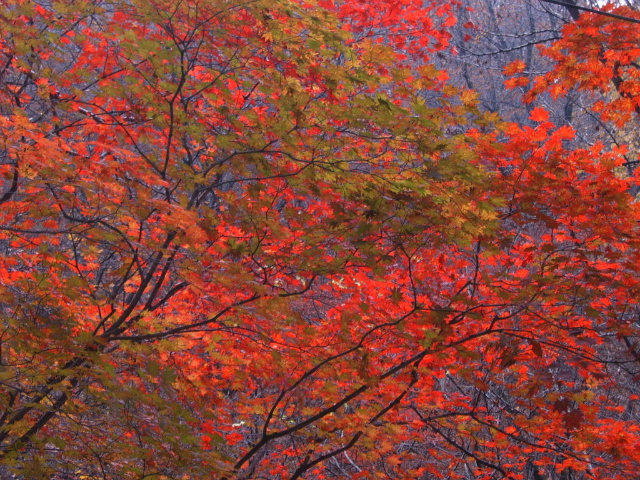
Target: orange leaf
pixel 539 114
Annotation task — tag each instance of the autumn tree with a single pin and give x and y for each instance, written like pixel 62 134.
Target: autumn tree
pixel 267 240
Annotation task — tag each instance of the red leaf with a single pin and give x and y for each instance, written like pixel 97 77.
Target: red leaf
pixel 539 114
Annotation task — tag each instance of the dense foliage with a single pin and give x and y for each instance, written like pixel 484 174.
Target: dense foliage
pixel 268 239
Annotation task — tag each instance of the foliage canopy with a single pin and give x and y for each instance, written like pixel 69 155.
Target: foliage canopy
pixel 268 239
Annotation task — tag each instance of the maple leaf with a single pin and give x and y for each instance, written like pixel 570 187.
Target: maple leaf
pixel 517 66
pixel 539 114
